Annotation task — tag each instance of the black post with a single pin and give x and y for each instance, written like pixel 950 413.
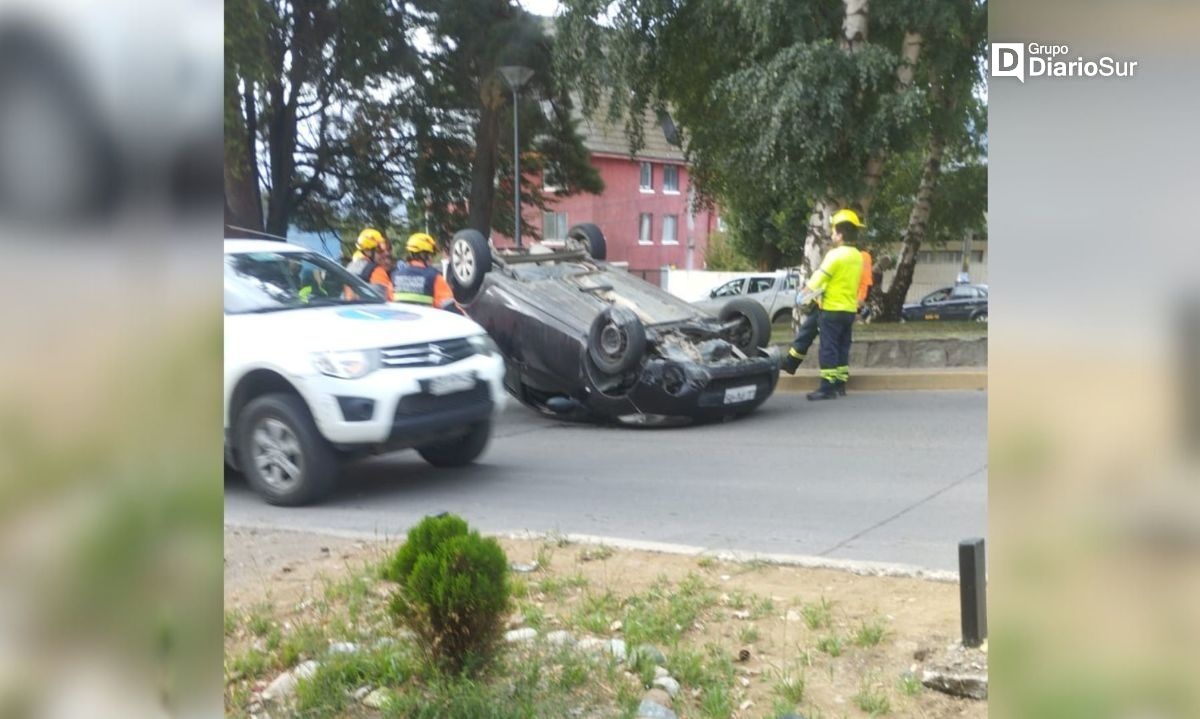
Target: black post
pixel 972 585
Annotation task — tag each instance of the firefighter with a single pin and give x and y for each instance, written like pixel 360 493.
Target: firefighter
pixel 417 281
pixel 370 261
pixel 837 280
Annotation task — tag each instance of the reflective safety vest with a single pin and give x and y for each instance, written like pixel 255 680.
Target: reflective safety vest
pixel 413 283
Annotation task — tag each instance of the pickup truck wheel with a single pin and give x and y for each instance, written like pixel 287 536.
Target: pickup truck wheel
pixel 470 260
pixel 459 451
pixel 755 328
pixel 283 455
pixel 782 316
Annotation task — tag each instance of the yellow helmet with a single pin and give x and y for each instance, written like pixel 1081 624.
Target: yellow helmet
pixel 846 215
pixel 369 239
pixel 420 243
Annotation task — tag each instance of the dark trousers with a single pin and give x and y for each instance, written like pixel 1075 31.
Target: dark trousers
pixel 835 328
pixel 806 334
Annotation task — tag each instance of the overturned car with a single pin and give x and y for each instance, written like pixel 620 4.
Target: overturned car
pixel 588 341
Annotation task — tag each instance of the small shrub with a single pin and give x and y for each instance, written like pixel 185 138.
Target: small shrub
pixel 910 686
pixel 791 687
pixel 874 703
pixel 454 592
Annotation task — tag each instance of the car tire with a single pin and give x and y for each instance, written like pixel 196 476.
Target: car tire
pixel 470 261
pixel 616 340
pixel 278 427
pixel 782 316
pixel 590 238
pixel 757 332
pixel 68 173
pixel 459 451
pixel 980 317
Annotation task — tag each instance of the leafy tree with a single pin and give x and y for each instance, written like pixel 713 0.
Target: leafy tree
pixel 788 108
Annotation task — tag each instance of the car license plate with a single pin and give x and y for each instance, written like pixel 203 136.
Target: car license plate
pixel 451 383
pixel 740 394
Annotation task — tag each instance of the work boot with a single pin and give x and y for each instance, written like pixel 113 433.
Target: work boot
pixel 825 391
pixel 840 388
pixel 790 362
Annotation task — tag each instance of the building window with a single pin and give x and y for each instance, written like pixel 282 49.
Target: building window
pixel 554 226
pixel 551 182
pixel 977 255
pixel 668 236
pixel 646 184
pixel 644 222
pixel 721 226
pixel 671 178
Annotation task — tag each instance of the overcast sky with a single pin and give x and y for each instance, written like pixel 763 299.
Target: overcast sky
pixel 540 7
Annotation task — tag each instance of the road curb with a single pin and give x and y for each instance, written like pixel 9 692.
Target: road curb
pixel 804 561
pixel 894 380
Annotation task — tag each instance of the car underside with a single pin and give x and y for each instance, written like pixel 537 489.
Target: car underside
pixel 587 341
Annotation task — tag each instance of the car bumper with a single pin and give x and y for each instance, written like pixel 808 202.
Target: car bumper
pixel 390 406
pixel 707 393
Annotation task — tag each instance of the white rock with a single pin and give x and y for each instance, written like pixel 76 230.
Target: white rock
pixel 281 688
pixel 520 635
pixel 343 648
pixel 377 699
pixel 559 638
pixel 617 648
pixel 744 681
pixel 616 626
pixel 524 568
pixel 660 672
pixel 793 616
pixel 361 693
pixel 745 705
pixel 592 644
pixel 307 670
pixel 741 614
pixel 725 577
pixel 667 683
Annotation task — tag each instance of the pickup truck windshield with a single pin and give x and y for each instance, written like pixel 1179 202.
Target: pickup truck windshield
pixel 276 281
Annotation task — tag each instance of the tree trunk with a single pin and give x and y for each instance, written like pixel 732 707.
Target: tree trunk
pixel 243 201
pixel 816 241
pixel 854 25
pixel 487 144
pixel 918 223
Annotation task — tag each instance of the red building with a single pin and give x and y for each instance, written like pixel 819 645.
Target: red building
pixel 644 209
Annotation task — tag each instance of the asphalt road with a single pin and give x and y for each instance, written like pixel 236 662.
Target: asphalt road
pixel 880 476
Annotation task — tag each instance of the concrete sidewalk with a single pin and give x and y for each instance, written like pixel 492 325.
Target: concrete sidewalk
pixel 875 378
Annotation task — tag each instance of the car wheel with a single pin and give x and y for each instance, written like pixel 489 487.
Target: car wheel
pixel 284 457
pixel 616 340
pixel 55 161
pixel 470 260
pixel 754 329
pixel 782 316
pixel 980 317
pixel 589 238
pixel 459 451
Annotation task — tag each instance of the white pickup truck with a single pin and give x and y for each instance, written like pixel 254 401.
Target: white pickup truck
pixel 775 291
pixel 319 367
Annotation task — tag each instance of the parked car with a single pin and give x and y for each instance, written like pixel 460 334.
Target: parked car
pixel 775 292
pixel 319 367
pixel 585 340
pixel 960 302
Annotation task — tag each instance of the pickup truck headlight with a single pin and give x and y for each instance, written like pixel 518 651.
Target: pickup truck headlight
pixel 350 364
pixel 484 345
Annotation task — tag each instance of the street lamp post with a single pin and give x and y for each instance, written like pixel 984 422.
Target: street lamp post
pixel 516 76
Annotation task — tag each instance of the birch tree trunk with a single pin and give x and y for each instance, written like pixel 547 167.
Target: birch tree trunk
pixel 914 235
pixel 243 201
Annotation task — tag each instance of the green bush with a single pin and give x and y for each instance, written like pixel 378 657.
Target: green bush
pixel 454 592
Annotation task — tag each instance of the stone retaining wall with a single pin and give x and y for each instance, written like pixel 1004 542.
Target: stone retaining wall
pixel 917 354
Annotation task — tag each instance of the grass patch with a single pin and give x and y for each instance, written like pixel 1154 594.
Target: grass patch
pixel 535 616
pixel 663 614
pixel 871 700
pixel 232 621
pixel 870 635
pixel 595 554
pixel 706 562
pixel 558 587
pixel 251 665
pixel 910 686
pixel 748 635
pixel 329 691
pixel 818 615
pixel 258 620
pixel 831 645
pixel 596 612
pixel 790 687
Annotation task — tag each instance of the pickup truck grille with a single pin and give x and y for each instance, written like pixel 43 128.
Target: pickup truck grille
pixel 427 354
